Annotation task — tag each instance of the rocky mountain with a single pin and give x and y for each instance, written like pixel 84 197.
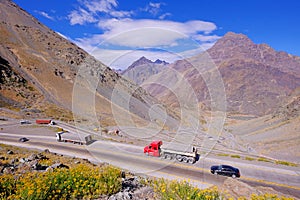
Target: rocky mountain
pixel 45 75
pixel 254 78
pixel 143 68
pixel 239 47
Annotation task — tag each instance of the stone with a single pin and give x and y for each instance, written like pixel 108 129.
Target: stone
pixel 8 170
pixel 59 165
pixel 47 151
pixel 10 152
pixel 23 160
pixel 32 157
pixel 121 196
pixel 14 161
pixel 2 158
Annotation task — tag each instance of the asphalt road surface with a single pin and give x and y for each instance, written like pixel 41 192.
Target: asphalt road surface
pixel 283 179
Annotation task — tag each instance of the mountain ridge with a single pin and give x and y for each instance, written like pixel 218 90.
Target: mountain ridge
pixel 257 79
pixel 240 46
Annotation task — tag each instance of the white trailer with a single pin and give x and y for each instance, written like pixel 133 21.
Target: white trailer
pixel 65 136
pixel 181 156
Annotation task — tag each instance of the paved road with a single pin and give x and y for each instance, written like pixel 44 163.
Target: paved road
pixel 131 157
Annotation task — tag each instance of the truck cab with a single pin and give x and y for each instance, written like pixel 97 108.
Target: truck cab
pixel 153 149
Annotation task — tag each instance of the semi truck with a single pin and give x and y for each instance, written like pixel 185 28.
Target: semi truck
pixel 66 136
pixel 154 149
pixel 45 121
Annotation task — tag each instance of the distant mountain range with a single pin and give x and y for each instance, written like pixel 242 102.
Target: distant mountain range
pixel 143 68
pixel 257 79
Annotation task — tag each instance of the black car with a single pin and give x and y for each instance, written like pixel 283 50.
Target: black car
pixel 225 170
pixel 23 139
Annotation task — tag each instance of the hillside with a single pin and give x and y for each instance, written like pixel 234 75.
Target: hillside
pixel 255 79
pixel 275 135
pixel 45 75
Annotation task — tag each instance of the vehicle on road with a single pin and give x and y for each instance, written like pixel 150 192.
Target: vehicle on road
pixel 23 121
pixel 45 121
pixel 154 149
pixel 75 138
pixel 23 139
pixel 225 170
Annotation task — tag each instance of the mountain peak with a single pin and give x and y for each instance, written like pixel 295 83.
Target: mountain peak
pixel 233 34
pixel 141 61
pixel 232 39
pixel 158 61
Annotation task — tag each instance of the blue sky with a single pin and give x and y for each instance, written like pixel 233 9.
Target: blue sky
pixel 117 32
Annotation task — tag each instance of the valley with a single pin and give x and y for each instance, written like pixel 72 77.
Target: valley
pixel 237 102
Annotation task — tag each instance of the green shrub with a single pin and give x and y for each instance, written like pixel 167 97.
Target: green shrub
pixel 235 156
pixel 263 159
pixel 281 162
pixel 249 158
pixel 222 154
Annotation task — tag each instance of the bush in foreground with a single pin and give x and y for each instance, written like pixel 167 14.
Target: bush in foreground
pixel 174 190
pixel 80 182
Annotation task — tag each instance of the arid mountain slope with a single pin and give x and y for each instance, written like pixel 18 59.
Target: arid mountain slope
pixel 42 71
pixel 256 79
pixel 275 135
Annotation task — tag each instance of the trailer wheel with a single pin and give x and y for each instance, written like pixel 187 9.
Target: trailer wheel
pixel 168 156
pixel 179 158
pixel 191 160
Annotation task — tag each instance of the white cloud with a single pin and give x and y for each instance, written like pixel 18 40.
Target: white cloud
pixel 100 6
pixel 206 38
pixel 81 17
pixel 155 5
pixel 165 15
pixel 121 14
pixel 147 33
pixel 143 37
pixel 154 8
pixel 91 11
pixel 189 27
pixel 45 14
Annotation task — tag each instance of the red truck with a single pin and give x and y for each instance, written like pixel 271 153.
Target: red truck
pixel 45 121
pixel 154 149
